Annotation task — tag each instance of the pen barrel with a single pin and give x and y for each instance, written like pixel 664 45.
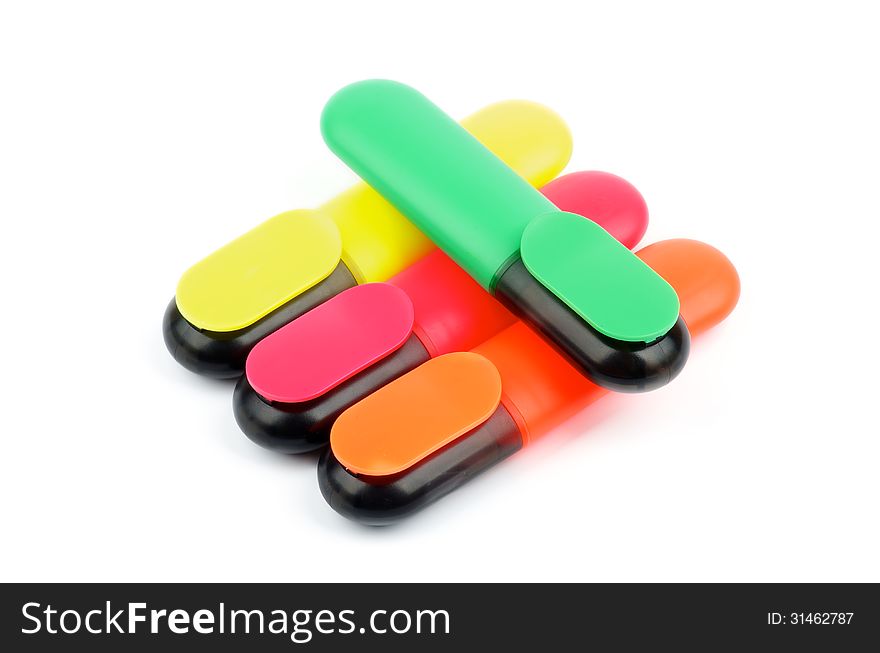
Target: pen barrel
pixel 453 188
pixel 541 390
pixel 452 312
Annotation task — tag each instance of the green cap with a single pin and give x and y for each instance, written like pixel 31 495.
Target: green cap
pixel 598 278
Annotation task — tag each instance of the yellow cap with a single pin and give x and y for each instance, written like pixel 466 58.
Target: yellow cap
pixel 259 271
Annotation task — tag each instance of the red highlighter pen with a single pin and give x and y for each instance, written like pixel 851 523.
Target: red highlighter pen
pixel 299 379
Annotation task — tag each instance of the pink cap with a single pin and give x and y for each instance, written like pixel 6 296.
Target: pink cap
pixel 330 343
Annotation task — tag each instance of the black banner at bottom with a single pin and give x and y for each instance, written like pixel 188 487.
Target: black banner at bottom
pixel 437 617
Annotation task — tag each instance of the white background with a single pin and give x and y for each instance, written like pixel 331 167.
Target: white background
pixel 135 138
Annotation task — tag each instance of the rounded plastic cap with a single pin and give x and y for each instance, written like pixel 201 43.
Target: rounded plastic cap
pixel 330 343
pixel 259 271
pixel 417 414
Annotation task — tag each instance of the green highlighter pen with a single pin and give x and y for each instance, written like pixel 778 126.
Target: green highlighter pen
pixel 609 313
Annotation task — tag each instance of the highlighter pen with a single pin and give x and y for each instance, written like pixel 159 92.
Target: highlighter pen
pixel 428 432
pixel 614 317
pixel 300 378
pixel 297 260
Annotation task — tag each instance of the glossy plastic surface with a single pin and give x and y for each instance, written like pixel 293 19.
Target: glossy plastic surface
pixel 615 364
pixel 378 242
pixel 388 432
pixel 305 426
pixel 330 344
pixel 385 500
pixel 604 198
pixel 540 391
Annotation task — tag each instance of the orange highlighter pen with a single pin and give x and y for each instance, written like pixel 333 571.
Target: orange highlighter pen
pixel 431 430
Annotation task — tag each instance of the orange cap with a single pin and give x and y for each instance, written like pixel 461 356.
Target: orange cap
pixel 398 425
